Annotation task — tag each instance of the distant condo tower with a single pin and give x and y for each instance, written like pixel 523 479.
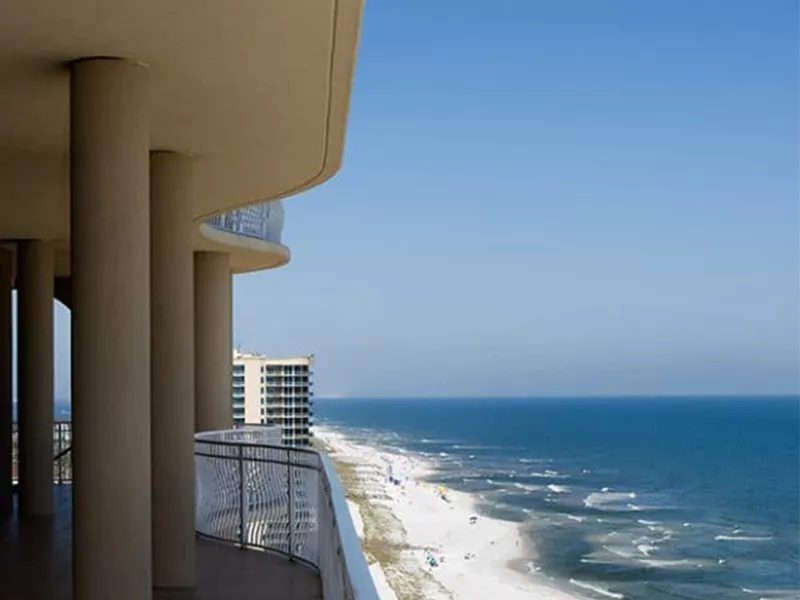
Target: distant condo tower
pixel 274 391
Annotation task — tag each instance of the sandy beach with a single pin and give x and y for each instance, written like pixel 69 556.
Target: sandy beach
pixel 412 523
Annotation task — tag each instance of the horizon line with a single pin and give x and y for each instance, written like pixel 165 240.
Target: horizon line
pixel 565 396
pixel 599 396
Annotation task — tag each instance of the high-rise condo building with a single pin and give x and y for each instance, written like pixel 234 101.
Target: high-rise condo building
pixel 274 391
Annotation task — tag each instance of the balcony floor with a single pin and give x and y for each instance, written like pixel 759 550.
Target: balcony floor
pixel 36 556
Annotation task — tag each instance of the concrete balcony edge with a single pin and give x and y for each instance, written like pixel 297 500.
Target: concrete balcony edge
pixel 248 254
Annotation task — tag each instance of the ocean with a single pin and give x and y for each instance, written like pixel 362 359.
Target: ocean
pixel 638 498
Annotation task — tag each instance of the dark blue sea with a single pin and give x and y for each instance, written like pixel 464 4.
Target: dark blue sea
pixel 640 498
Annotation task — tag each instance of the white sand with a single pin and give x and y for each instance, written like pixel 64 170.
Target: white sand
pixel 441 527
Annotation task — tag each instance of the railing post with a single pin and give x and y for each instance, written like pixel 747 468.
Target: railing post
pixel 241 497
pixel 60 450
pixel 265 212
pixel 290 505
pixel 69 472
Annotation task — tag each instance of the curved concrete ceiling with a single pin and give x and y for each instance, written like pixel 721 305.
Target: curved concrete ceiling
pixel 257 90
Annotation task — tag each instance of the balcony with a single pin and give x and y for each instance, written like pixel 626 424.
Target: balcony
pixel 275 500
pixel 252 236
pixel 260 221
pixel 271 522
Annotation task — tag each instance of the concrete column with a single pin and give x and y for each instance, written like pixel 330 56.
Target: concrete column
pixel 172 410
pixel 35 273
pixel 6 271
pixel 110 231
pixel 213 341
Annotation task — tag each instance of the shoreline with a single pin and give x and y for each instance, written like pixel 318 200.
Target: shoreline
pixel 423 540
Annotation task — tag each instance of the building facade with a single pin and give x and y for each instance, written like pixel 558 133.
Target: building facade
pixel 274 391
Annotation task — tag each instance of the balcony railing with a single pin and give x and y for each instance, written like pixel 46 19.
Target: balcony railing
pixel 260 221
pixel 267 497
pixel 62 452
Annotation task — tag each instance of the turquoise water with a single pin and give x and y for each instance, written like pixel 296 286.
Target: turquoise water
pixel 656 498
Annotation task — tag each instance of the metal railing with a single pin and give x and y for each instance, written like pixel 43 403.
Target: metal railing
pixel 258 495
pixel 62 445
pixel 260 221
pixel 62 452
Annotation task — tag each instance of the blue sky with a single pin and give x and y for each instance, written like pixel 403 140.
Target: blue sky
pixel 550 198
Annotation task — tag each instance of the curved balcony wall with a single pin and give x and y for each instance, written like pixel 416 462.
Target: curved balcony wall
pixel 252 235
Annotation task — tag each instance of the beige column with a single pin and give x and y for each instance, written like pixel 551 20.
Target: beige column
pixel 213 341
pixel 6 271
pixel 35 273
pixel 110 234
pixel 172 409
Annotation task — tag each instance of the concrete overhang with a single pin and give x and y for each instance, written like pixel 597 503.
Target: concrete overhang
pixel 247 254
pixel 257 91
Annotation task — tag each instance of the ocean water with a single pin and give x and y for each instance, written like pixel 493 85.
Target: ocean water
pixel 651 498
